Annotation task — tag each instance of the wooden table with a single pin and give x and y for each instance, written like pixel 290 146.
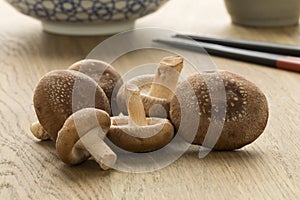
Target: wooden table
pixel 29 169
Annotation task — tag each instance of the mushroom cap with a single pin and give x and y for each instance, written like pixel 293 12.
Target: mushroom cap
pixel 157 134
pixel 59 93
pixel 246 111
pixel 154 107
pixel 68 146
pixel 103 73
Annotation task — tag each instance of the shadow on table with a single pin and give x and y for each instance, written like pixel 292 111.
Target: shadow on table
pixel 245 154
pixel 90 170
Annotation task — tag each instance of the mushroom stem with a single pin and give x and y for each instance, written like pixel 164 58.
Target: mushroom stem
pixel 166 77
pixel 38 131
pixel 135 106
pixel 94 144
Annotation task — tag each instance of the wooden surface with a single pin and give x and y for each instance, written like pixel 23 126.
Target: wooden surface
pixel 29 169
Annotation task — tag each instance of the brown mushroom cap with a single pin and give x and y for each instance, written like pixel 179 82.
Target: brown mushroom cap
pixel 54 98
pixel 246 112
pixel 82 135
pixel 103 73
pixel 157 134
pixel 144 83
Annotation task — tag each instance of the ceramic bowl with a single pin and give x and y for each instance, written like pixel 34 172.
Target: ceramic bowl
pixel 264 13
pixel 86 17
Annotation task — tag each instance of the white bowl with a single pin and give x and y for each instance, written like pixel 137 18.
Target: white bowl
pixel 265 13
pixel 86 17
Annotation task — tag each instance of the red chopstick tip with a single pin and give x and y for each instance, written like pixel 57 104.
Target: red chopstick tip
pixel 289 63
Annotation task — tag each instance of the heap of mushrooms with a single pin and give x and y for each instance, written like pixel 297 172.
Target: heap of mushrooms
pixel 156 91
pixel 73 109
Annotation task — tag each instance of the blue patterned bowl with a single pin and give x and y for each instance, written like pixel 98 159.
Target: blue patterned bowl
pixel 86 17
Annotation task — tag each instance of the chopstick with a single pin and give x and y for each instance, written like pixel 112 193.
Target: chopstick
pixel 262 58
pixel 291 50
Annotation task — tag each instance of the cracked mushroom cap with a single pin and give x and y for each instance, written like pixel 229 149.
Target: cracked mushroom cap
pixel 154 107
pixel 246 111
pixel 59 93
pixel 72 147
pixel 103 73
pixel 157 134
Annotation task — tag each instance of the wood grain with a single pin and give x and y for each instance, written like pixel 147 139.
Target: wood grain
pixel 29 169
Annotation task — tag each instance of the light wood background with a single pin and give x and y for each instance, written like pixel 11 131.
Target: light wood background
pixel 29 169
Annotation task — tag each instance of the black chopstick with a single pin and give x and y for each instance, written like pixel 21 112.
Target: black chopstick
pixel 262 58
pixel 291 50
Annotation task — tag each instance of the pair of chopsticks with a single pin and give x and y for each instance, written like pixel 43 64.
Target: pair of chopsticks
pixel 269 54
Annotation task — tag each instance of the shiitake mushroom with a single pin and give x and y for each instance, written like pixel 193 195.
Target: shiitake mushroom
pixel 103 73
pixel 246 109
pixel 60 93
